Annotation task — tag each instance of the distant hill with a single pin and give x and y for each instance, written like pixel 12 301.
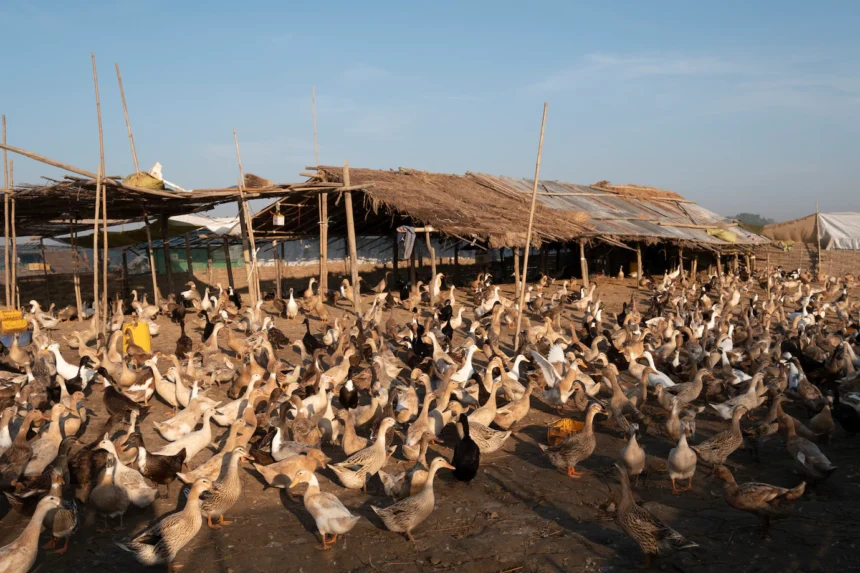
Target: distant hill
pixel 753 219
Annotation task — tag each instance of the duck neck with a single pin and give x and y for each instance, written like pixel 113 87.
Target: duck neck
pixel 313 488
pixel 34 527
pixel 626 500
pixel 589 421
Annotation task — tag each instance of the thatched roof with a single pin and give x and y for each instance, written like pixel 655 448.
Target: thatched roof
pixel 494 210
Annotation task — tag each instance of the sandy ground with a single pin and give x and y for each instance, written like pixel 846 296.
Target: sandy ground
pixel 520 514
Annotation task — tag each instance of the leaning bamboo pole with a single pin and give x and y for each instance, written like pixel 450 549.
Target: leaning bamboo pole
pixel 76 279
pixel 248 231
pixel 127 122
pixel 100 195
pixel 96 313
pixel 45 268
pixel 6 221
pixel 15 294
pixel 155 298
pixel 523 285
pixel 323 207
pixel 353 251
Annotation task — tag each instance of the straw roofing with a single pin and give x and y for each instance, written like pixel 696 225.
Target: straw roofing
pixel 461 206
pixel 637 191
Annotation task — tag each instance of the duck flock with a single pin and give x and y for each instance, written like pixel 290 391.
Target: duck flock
pixel 768 354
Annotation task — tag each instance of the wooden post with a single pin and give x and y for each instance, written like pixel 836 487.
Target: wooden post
pixel 209 264
pixel 6 222
pixel 516 251
pixel 105 259
pixel 323 207
pixel 432 253
pixel 720 267
pixel 76 279
pixel 583 263
pixel 124 273
pixel 639 270
pixel 522 293
pixel 395 258
pixel 14 226
pixel 768 275
pixel 228 262
pixel 127 122
pixel 558 259
pixel 277 269
pixel 457 254
pixel 45 267
pixel 694 269
pixel 681 260
pixel 350 234
pixel 244 212
pixel 189 261
pixel 151 258
pixel 246 254
pixel 737 261
pixel 165 249
pixel 543 258
pixel 818 239
pixel 412 279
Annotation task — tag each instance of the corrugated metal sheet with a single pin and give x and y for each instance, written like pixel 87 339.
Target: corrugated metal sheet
pixel 629 217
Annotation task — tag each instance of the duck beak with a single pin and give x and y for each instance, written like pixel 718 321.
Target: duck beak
pixel 449 466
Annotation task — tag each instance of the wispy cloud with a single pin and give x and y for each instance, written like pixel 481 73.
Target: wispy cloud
pixel 364 73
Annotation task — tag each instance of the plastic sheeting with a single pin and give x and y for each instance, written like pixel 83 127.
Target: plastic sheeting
pixel 840 231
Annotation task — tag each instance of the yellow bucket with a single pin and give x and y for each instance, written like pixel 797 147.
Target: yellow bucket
pixel 140 333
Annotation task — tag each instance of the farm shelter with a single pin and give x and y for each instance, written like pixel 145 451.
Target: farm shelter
pixel 479 211
pixel 831 238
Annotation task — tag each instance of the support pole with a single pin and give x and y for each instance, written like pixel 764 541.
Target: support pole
pixel 6 222
pixel 127 122
pixel 124 273
pixel 165 247
pixel 736 262
pixel 45 267
pixel 412 279
pixel 246 254
pixel 522 293
pixel 350 233
pixel 457 255
pixel 432 253
pixel 323 206
pixel 516 269
pixel 694 269
pixel 149 249
pixel 15 293
pixel 253 275
pixel 99 191
pixel 105 258
pixel 720 268
pixel 583 263
pixel 640 272
pixel 189 261
pixel 277 270
pixel 209 264
pixel 395 258
pixel 681 261
pixel 228 262
pixel 76 279
pixel 818 239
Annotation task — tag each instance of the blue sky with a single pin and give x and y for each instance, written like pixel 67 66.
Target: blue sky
pixel 742 106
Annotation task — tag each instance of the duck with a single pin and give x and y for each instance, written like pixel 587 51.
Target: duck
pixel 228 413
pixel 5 437
pixel 467 454
pixel 513 412
pixel 488 439
pixel 182 423
pixel 160 470
pixel 61 521
pixel 46 448
pixel 227 491
pixel 239 434
pixel 350 441
pixel 632 454
pixel 654 538
pixel 808 458
pixel 109 498
pixel 331 516
pixel 487 413
pixel 577 447
pixel 139 492
pixel 15 459
pixel 407 514
pixel 309 340
pixel 715 450
pixel 354 471
pixel 762 500
pixel 20 555
pixel 399 485
pixel 194 442
pixel 750 400
pixel 160 542
pixel 348 395
pixel 681 463
pixel 292 308
pixel 282 474
pixel 303 429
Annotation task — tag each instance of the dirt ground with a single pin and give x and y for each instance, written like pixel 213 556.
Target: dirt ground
pixel 519 514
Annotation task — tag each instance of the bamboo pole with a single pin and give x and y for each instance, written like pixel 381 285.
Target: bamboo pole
pixel 412 278
pixel 189 262
pixel 165 247
pixel 15 294
pixel 277 270
pixel 155 297
pixel 99 191
pixel 209 264
pixel 522 293
pixel 228 262
pixel 516 269
pixel 253 276
pixel 106 258
pixel 640 273
pixel 583 263
pixel 818 239
pixel 694 268
pixel 6 222
pixel 432 252
pixel 720 267
pixel 127 122
pixel 45 267
pixel 457 255
pixel 76 279
pixel 243 226
pixel 350 233
pixel 323 205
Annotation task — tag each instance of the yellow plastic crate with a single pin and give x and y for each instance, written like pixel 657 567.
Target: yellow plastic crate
pixel 562 429
pixel 11 315
pixel 13 326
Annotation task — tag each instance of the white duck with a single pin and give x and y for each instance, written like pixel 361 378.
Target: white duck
pixel 193 442
pixel 70 371
pixel 230 412
pixel 134 484
pixel 292 307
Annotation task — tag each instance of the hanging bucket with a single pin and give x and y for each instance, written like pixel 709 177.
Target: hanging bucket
pixel 140 332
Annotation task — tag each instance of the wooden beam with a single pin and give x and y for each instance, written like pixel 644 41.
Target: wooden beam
pixel 6 258
pixel 412 279
pixel 127 122
pixel 719 267
pixel 353 250
pixel 149 249
pixel 522 293
pixel 583 263
pixel 189 261
pixel 229 263
pixel 165 246
pixel 47 161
